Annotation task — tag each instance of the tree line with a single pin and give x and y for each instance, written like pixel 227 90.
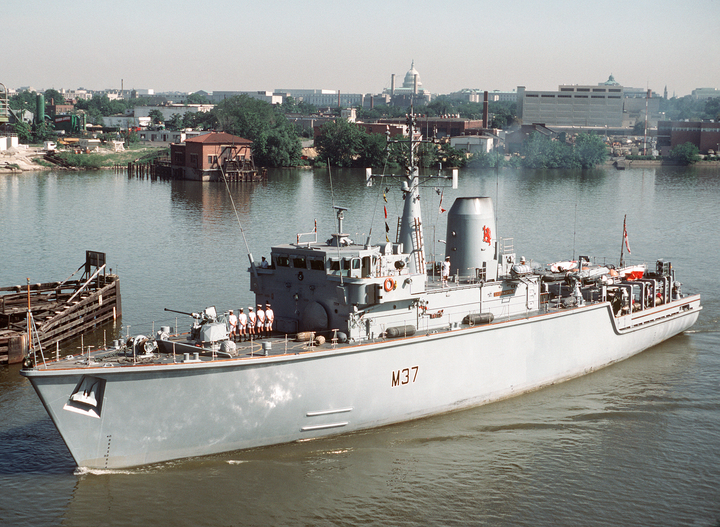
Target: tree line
pixel 277 141
pixel 344 144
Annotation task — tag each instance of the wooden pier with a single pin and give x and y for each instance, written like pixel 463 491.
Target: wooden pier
pixel 60 310
pixel 233 171
pixel 243 176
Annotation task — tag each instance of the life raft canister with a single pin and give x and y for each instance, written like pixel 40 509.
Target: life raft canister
pixel 389 284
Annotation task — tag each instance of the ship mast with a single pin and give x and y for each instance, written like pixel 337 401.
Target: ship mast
pixel 411 232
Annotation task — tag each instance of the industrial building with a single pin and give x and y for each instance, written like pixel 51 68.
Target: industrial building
pixel 607 106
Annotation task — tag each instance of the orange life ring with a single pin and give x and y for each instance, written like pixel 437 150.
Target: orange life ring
pixel 389 284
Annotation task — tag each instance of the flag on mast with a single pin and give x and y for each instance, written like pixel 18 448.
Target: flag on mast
pixel 625 236
pixel 441 198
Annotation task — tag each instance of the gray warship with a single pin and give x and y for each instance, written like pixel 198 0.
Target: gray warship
pixel 365 335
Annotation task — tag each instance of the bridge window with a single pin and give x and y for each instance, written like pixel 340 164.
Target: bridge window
pixel 282 261
pixel 317 264
pixel 299 262
pixel 335 266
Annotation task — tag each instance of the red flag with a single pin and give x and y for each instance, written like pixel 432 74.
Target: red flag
pixel 441 198
pixel 385 209
pixel 625 237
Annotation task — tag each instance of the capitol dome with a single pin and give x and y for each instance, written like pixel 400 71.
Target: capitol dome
pixel 409 82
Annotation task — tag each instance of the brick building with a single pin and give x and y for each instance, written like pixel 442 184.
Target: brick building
pixel 207 157
pixel 439 127
pixel 703 134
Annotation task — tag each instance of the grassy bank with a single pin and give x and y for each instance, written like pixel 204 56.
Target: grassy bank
pixel 107 159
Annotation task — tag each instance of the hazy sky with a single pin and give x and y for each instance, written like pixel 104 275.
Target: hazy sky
pixel 355 46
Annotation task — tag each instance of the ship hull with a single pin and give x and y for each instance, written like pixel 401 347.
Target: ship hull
pixel 155 413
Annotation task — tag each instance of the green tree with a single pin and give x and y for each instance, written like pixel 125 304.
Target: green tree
pixel 279 147
pixel 306 108
pixel 130 138
pixel 25 100
pixel 470 110
pixel 541 151
pixel 291 105
pixel 441 105
pixel 339 143
pixel 42 132
pixel 262 123
pixel 199 120
pixel 712 108
pixel 23 131
pixel 487 160
pixel 451 156
pixel 102 106
pixel 681 108
pixel 685 154
pixel 373 151
pixel 175 122
pixel 590 150
pixel 156 116
pixel 197 98
pixel 52 95
pixel 429 155
pixel 504 114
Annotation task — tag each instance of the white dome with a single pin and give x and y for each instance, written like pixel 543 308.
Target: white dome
pixel 409 81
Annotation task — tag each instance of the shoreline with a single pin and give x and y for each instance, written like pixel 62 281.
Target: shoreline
pixel 18 160
pixel 22 159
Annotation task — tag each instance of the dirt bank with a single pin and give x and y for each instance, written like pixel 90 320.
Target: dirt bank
pixel 21 159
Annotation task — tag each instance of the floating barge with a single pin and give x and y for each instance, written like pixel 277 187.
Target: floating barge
pixel 60 310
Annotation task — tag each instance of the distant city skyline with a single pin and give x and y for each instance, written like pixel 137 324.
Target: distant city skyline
pixel 227 45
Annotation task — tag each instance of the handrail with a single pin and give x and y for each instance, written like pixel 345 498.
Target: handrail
pixel 86 283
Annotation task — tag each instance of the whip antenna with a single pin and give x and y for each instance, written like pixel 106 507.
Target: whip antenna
pixel 237 217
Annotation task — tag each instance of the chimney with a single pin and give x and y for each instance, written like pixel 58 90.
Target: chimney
pixel 485 111
pixel 392 85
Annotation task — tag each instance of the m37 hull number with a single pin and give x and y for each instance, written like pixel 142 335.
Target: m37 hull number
pixel 404 376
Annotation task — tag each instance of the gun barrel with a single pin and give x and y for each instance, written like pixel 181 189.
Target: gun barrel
pixel 181 312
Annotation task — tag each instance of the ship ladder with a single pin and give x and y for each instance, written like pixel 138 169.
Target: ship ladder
pixel 419 250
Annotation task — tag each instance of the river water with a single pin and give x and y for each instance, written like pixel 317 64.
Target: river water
pixel 637 443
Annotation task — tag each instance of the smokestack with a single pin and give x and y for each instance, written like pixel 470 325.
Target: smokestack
pixel 338 98
pixel 392 85
pixel 485 111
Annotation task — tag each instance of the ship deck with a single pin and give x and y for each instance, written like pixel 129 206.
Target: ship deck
pixel 255 349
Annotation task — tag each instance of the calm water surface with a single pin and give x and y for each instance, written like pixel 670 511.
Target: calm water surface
pixel 637 443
